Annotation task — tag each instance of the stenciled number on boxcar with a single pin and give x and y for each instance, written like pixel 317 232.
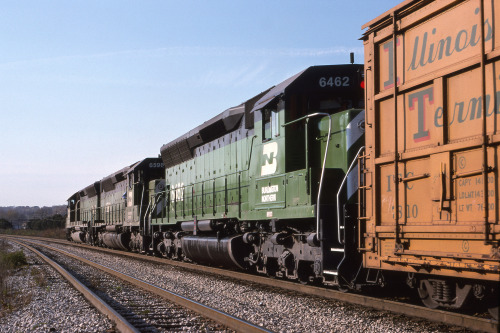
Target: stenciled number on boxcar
pixel 411 211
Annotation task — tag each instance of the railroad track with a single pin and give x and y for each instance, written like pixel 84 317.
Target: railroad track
pixel 411 310
pixel 131 316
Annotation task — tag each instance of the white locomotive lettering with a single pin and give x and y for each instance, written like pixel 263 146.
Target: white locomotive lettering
pixel 270 189
pixel 269 197
pixel 336 81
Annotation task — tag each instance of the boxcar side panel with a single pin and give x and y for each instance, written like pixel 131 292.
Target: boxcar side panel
pixel 432 156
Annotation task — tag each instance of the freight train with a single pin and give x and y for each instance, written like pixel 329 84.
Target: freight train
pixel 345 175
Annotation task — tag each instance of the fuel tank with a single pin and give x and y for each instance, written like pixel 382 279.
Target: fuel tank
pixel 78 236
pixel 116 241
pixel 227 252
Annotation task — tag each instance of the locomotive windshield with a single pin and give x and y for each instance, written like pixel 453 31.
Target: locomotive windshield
pixel 334 104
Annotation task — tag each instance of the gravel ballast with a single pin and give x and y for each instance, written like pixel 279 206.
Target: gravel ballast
pixel 277 310
pixel 48 302
pixel 147 312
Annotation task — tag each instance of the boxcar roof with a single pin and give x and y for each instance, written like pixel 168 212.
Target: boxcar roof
pixel 385 19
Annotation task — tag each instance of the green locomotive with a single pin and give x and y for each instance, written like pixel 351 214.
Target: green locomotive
pixel 108 212
pixel 258 186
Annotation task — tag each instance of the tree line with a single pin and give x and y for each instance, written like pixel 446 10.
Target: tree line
pixel 36 218
pixel 56 221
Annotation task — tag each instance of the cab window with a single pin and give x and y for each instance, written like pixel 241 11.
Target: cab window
pixel 270 128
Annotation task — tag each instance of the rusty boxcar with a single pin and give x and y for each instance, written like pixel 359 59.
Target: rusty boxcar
pixel 430 200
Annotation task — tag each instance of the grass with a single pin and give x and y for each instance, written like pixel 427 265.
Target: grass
pixel 9 261
pixel 10 298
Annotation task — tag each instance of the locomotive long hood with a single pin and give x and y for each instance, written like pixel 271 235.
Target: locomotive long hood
pixel 181 149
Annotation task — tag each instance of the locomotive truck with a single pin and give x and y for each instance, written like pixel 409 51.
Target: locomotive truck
pixel 321 179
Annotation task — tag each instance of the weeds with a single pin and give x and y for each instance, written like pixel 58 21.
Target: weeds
pixel 13 296
pixel 10 296
pixel 12 260
pixel 4 245
pixel 39 277
pixel 8 262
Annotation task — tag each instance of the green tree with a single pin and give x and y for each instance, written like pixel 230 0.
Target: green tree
pixel 51 222
pixel 5 224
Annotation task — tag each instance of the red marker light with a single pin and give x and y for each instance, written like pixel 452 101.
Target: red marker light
pixel 362 84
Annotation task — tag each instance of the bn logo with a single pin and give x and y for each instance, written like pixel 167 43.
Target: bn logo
pixel 270 151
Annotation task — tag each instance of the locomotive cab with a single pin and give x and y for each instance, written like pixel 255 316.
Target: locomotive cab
pixel 308 132
pixel 73 218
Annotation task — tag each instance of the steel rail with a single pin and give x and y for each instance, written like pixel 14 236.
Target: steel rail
pixel 221 317
pixel 121 323
pixel 416 311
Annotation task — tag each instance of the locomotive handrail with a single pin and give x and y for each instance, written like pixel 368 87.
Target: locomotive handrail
pixel 145 216
pixel 249 156
pixel 149 213
pixel 324 161
pixel 140 207
pixel 340 190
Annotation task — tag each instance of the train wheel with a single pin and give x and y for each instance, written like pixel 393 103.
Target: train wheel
pixel 448 294
pixel 494 312
pixel 305 272
pixel 271 267
pixel 492 302
pixel 425 291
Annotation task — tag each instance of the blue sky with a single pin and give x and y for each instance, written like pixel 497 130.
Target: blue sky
pixel 88 87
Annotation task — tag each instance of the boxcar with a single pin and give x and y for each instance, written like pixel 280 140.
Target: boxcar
pixel 430 202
